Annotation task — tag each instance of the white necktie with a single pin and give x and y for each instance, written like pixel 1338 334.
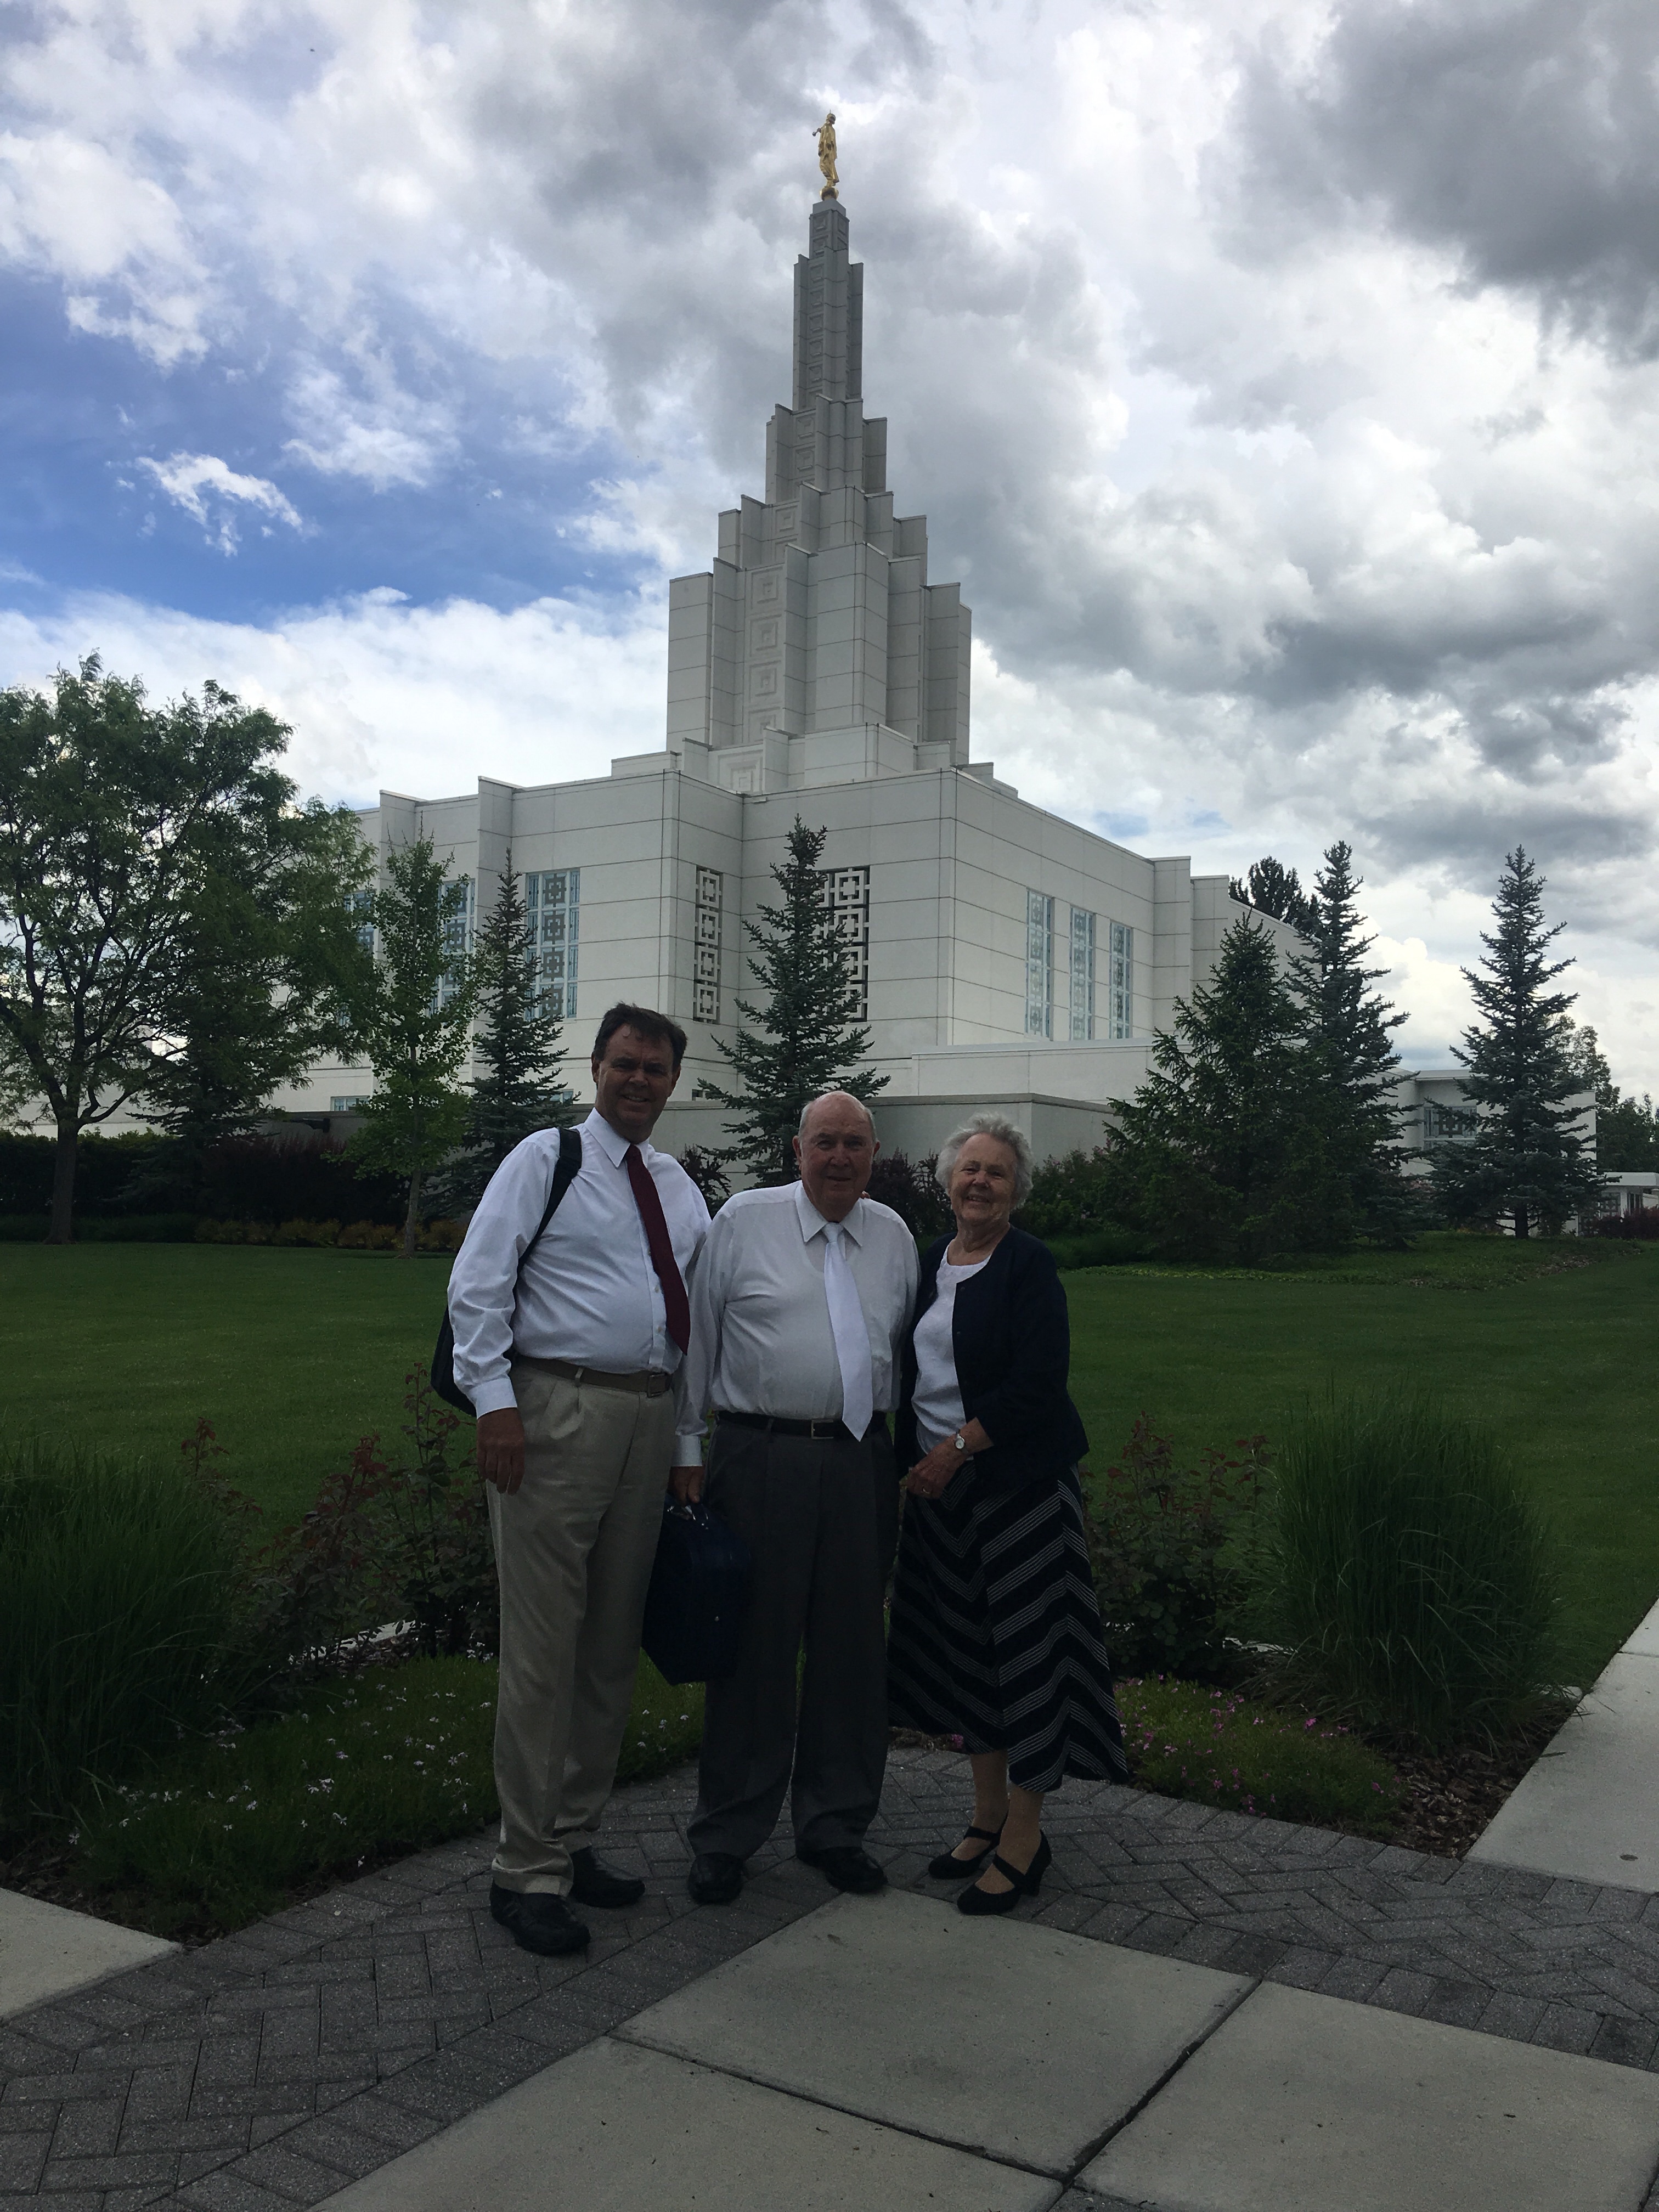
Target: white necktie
pixel 846 1325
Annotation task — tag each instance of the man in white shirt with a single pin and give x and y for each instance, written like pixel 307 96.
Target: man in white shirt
pixel 575 1369
pixel 798 1308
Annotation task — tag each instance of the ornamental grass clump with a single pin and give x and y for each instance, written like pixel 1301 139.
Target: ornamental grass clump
pixel 119 1623
pixel 1409 1579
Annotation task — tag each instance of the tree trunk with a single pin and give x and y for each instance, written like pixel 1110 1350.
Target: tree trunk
pixel 1522 1225
pixel 411 1218
pixel 62 1230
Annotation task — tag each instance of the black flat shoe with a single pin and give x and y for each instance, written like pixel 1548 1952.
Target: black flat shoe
pixel 715 1878
pixel 594 1883
pixel 977 1903
pixel 947 1867
pixel 537 1921
pixel 845 1866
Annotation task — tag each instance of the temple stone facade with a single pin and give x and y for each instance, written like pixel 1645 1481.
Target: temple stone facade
pixel 1002 955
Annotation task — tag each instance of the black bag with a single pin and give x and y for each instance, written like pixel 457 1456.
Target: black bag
pixel 443 1358
pixel 699 1597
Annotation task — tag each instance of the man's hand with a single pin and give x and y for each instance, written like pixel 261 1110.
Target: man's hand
pixel 686 1483
pixel 501 1449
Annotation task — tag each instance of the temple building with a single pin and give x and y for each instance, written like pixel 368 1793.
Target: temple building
pixel 1003 956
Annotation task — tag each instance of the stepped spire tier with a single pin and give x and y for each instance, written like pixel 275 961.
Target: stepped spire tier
pixel 817 620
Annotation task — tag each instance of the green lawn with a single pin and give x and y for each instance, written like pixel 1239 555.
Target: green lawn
pixel 1564 1364
pixel 293 1355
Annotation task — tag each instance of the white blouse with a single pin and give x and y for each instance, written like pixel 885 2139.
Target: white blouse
pixel 938 1401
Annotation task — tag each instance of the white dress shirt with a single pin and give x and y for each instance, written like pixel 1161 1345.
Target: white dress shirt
pixel 588 1293
pixel 761 1337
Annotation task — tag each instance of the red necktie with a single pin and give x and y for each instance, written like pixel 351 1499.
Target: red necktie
pixel 675 1303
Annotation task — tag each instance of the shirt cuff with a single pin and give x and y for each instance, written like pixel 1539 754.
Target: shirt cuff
pixel 688 1451
pixel 494 1397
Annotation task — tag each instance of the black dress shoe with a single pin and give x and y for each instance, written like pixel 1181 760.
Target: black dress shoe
pixel 978 1903
pixel 947 1867
pixel 845 1866
pixel 715 1878
pixel 538 1922
pixel 594 1884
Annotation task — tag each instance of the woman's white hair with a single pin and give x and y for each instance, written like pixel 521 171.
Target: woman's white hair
pixel 1005 1132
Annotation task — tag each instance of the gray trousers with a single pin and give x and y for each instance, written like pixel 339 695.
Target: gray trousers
pixel 574 1550
pixel 821 1520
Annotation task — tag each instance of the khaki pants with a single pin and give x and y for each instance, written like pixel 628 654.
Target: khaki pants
pixel 573 1551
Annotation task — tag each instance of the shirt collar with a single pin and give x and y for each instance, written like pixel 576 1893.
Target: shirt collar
pixel 813 1223
pixel 610 1142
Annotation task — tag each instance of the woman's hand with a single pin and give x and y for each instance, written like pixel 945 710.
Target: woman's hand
pixel 929 1477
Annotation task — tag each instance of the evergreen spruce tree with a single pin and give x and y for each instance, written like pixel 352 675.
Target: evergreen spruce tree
pixel 807 1037
pixel 1271 888
pixel 1350 1034
pixel 1230 1150
pixel 1526 1158
pixel 416 1023
pixel 518 1088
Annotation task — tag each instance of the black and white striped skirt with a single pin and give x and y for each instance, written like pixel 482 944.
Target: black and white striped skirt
pixel 995 1634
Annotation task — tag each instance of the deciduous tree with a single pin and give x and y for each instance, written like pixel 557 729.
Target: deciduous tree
pixel 172 926
pixel 416 1022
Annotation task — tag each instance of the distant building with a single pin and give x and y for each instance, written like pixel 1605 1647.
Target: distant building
pixel 1002 955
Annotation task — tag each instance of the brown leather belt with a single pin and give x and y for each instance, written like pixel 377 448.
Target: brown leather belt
pixel 644 1382
pixel 821 1431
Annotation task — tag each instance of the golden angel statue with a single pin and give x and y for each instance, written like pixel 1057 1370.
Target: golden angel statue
pixel 826 138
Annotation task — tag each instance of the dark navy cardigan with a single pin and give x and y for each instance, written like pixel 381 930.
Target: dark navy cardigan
pixel 1012 1338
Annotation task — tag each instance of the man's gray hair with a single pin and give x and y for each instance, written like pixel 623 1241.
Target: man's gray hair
pixel 1005 1132
pixel 818 1097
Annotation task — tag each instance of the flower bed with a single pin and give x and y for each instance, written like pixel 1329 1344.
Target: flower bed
pixel 1185 1740
pixel 386 1760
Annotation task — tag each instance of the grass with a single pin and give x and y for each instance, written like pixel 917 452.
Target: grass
pixel 389 1759
pixel 1409 1582
pixel 292 1355
pixel 117 1619
pixel 1560 1365
pixel 1187 1741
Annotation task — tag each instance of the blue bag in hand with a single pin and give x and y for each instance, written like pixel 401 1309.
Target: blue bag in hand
pixel 699 1597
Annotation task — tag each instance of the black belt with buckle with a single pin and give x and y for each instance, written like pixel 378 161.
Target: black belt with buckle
pixel 819 1431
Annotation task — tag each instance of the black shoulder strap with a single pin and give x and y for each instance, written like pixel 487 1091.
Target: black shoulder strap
pixel 569 1167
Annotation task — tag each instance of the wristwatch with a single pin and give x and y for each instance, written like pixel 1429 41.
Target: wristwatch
pixel 960 1441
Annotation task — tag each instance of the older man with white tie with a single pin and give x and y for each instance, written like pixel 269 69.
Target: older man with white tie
pixel 799 1307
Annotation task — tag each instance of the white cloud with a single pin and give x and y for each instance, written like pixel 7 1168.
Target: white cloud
pixel 1288 409
pixel 380 693
pixel 201 483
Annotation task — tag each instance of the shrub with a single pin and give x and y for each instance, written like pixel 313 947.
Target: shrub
pixel 1100 1248
pixel 910 1187
pixel 1185 1741
pixel 1638 1227
pixel 440 1236
pixel 1170 1547
pixel 370 1236
pixel 1410 1579
pixel 707 1168
pixel 308 1232
pixel 1070 1194
pixel 119 1621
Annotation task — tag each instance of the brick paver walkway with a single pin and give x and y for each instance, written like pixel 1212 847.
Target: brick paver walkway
pixel 266 2070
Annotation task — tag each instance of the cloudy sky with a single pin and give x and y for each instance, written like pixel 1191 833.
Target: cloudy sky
pixel 1280 379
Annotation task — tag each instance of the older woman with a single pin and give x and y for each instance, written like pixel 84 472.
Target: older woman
pixel 995 1633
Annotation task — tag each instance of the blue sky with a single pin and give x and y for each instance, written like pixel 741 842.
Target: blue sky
pixel 1280 379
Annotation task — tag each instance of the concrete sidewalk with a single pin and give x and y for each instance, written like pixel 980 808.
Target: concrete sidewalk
pixel 1322 1984
pixel 1589 1809
pixel 888 2052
